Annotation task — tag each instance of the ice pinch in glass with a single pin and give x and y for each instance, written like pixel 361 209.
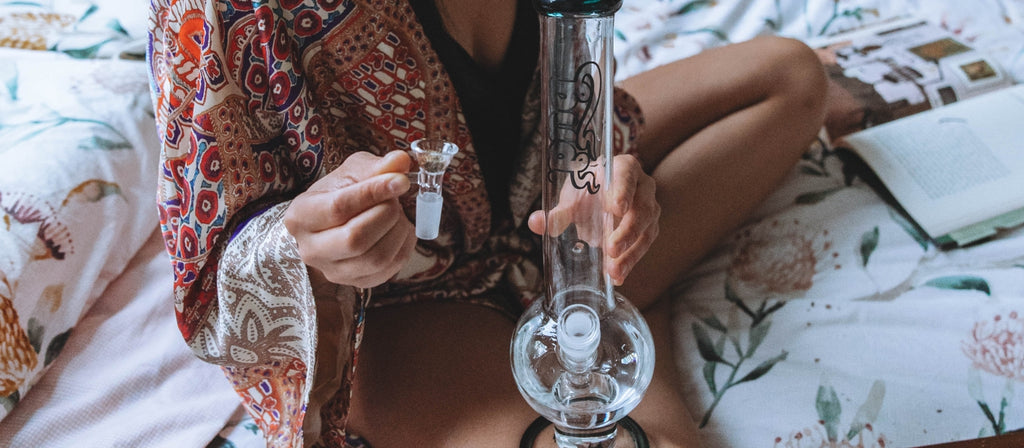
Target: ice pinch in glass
pixel 582 356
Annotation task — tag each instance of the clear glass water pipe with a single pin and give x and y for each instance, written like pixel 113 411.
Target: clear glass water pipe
pixel 582 356
pixel 433 157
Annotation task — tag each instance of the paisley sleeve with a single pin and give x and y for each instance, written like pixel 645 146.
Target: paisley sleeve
pixel 627 122
pixel 237 136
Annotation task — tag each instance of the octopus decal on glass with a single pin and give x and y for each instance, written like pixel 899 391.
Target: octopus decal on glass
pixel 573 151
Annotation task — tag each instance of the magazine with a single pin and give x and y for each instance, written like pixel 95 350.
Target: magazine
pixel 938 121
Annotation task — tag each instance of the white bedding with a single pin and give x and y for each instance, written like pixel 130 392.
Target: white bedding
pixel 827 321
pixel 125 379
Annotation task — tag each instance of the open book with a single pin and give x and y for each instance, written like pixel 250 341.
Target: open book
pixel 940 123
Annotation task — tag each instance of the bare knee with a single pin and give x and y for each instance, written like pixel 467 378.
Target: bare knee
pixel 797 77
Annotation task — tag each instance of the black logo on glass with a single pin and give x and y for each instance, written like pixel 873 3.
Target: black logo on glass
pixel 573 151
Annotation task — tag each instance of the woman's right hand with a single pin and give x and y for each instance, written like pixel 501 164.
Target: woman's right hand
pixel 349 225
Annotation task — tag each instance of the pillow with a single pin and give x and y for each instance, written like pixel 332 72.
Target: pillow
pixel 78 167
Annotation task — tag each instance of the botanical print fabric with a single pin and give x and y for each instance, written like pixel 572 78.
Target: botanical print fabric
pixel 74 172
pixel 77 28
pixel 829 320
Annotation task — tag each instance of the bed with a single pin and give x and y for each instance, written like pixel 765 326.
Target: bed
pixel 825 321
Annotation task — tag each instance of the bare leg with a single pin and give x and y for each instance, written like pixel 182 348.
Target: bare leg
pixel 437 375
pixel 723 129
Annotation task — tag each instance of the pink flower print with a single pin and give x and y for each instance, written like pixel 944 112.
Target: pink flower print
pixel 779 258
pixel 816 437
pixel 997 346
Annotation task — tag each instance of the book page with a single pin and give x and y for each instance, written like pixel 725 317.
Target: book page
pixel 908 67
pixel 953 166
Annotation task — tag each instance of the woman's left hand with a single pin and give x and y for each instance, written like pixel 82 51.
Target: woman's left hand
pixel 636 211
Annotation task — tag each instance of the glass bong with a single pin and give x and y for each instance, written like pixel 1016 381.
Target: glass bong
pixel 582 355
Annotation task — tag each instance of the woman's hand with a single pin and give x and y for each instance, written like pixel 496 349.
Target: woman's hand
pixel 634 207
pixel 349 225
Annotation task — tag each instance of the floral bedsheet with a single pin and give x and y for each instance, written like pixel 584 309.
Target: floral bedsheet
pixel 829 320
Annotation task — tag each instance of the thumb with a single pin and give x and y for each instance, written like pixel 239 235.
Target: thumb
pixel 361 166
pixel 556 221
pixel 394 162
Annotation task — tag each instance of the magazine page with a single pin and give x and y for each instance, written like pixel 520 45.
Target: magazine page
pixel 954 166
pixel 900 69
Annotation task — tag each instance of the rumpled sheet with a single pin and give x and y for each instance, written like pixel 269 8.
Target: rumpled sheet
pixel 125 379
pixel 827 320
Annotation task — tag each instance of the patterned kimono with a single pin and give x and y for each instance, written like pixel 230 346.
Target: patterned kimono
pixel 255 101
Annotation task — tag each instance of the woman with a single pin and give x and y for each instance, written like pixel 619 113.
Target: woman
pixel 284 203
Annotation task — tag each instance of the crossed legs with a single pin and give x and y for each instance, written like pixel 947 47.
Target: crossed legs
pixel 723 128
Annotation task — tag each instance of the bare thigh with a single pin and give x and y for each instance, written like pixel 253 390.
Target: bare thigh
pixel 437 375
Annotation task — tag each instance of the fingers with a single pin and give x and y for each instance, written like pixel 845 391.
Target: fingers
pixel 361 166
pixel 361 182
pixel 643 212
pixel 367 254
pixel 559 219
pixel 380 276
pixel 350 225
pixel 356 237
pixel 628 173
pixel 329 209
pixel 618 268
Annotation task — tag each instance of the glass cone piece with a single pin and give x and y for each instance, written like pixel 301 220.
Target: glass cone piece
pixel 433 157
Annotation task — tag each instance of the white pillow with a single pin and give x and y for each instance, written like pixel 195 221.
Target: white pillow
pixel 78 169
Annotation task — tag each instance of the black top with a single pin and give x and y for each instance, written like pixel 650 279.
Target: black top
pixel 492 101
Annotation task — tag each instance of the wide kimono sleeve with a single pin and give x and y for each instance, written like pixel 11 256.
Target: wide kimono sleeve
pixel 238 138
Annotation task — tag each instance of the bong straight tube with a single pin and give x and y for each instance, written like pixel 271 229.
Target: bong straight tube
pixel 576 60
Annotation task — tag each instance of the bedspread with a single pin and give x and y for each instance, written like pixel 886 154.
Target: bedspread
pixel 828 320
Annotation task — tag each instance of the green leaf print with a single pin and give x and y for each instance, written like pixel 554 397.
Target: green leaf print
pixel 805 169
pixel 9 401
pixel 56 346
pixel 962 282
pixel 220 442
pixel 816 196
pixel 706 347
pixel 12 85
pixel 714 353
pixel 868 244
pixel 868 411
pixel 116 26
pixel 87 52
pixel 829 410
pixel 35 334
pixel 97 142
pixel 719 34
pixel 910 228
pixel 757 335
pixel 763 368
pixel 709 376
pixel 693 6
pixel 713 322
